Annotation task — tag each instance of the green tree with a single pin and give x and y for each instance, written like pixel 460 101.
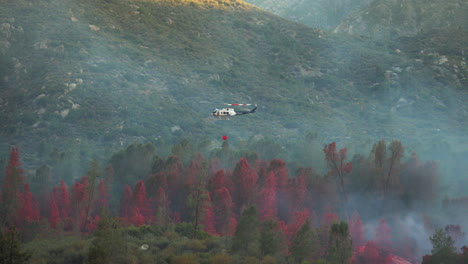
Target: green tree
pixel 93 174
pixel 339 244
pixel 133 163
pixel 108 245
pixel 10 249
pixel 303 244
pixel 270 238
pixel 443 248
pixel 247 235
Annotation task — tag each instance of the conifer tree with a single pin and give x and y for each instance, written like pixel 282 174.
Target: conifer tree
pixel 11 251
pixel 245 179
pixel 271 238
pixel 198 199
pixel 336 163
pixel 162 208
pixel 28 211
pixel 267 201
pixel 246 238
pixel 126 204
pixel 108 245
pixel 303 244
pixel 140 201
pixel 10 192
pixel 356 231
pixel 93 174
pixel 339 244
pixel 222 210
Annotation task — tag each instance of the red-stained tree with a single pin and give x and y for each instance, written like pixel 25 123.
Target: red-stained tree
pixel 29 211
pixel 337 165
pixel 140 201
pixel 283 196
pixel 208 221
pixel 299 219
pixel 10 192
pixel 126 204
pixel 245 179
pixel 54 215
pixel 78 203
pixel 137 219
pixel 356 231
pixel 62 199
pixel 298 190
pixel 222 210
pixel 267 203
pixel 217 181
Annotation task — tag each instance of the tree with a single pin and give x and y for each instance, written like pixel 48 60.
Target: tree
pixel 61 197
pixel 356 231
pixel 108 245
pixel 162 208
pixel 208 220
pixel 54 215
pixel 102 199
pixel 247 235
pixel 10 248
pixel 245 179
pixel 41 184
pixel 441 241
pixel 140 201
pixel 10 192
pixel 222 210
pixel 336 163
pixel 443 249
pixel 387 167
pixel 271 240
pixel 267 200
pixel 79 203
pixel 278 167
pixel 29 210
pixel 126 204
pixel 198 199
pixel 339 244
pixel 303 244
pixel 93 174
pixel 133 163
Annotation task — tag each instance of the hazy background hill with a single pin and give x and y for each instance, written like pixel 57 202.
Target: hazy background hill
pixel 392 19
pixel 324 14
pixel 87 76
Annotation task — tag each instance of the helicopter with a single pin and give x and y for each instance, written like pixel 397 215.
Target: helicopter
pixel 225 113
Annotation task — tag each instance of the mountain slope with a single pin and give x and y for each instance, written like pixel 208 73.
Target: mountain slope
pixel 384 19
pixel 112 72
pixel 324 14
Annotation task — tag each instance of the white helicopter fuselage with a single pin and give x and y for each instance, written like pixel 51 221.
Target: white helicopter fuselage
pixel 224 112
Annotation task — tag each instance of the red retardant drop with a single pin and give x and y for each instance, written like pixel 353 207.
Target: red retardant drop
pixel 225 137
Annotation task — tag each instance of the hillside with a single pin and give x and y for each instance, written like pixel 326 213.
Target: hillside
pixel 103 74
pixel 403 18
pixel 323 14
